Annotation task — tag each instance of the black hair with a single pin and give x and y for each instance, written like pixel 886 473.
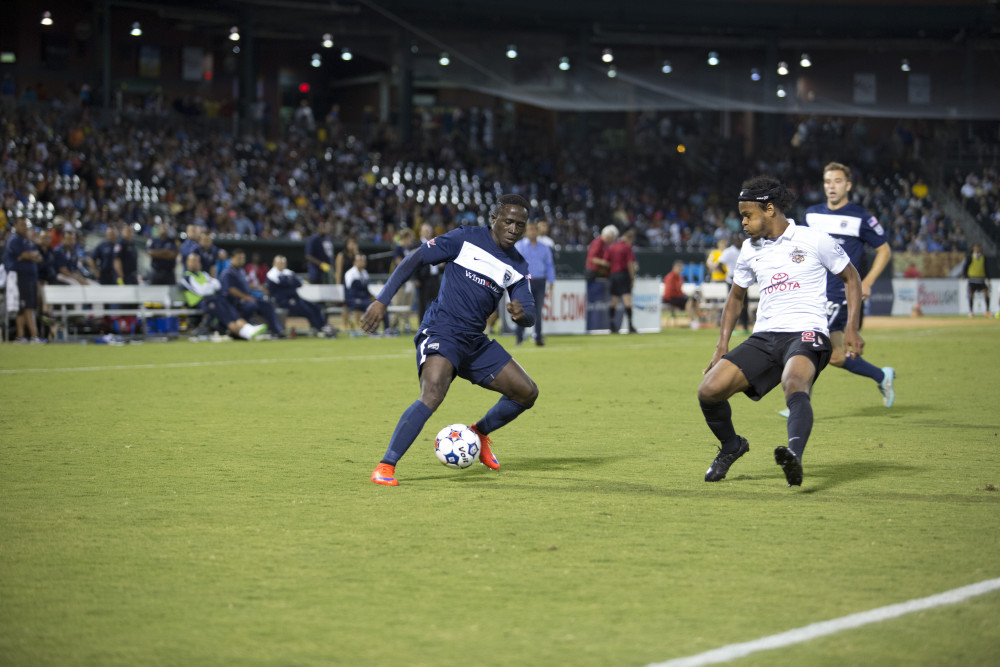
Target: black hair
pixel 765 190
pixel 509 200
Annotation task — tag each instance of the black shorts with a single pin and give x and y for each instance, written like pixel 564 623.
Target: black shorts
pixel 836 316
pixel 762 357
pixel 977 287
pixel 27 288
pixel 621 283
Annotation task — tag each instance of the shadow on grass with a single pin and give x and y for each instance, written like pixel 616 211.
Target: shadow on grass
pixel 825 477
pixel 542 464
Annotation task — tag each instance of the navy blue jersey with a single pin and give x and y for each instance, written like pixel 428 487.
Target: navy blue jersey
pixel 475 276
pixel 234 277
pixel 17 245
pixel 104 258
pixel 852 227
pixel 160 243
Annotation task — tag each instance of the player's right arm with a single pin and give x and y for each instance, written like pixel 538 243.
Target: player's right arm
pixel 734 304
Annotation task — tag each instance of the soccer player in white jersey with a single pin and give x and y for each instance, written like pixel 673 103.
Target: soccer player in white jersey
pixel 480 264
pixel 853 228
pixel 790 343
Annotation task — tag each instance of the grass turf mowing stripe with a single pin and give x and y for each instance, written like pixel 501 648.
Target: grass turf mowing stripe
pixel 823 628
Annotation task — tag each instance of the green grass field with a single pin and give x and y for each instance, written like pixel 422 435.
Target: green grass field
pixel 210 504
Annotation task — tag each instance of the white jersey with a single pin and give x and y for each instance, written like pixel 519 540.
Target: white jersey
pixel 791 274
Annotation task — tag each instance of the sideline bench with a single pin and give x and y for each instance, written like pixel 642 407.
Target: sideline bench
pixel 148 301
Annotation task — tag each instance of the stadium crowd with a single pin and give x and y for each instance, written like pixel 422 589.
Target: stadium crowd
pixel 161 170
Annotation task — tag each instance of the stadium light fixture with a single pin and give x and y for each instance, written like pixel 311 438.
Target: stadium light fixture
pixel 804 61
pixel 564 63
pixel 905 65
pixel 512 51
pixel 754 74
pixel 444 60
pixel 612 72
pixel 234 34
pixel 781 91
pixel 667 68
pixel 607 56
pixel 782 68
pixel 316 61
pixel 345 54
pixel 713 58
pixel 327 41
pixel 136 30
pixel 46 18
pixel 236 48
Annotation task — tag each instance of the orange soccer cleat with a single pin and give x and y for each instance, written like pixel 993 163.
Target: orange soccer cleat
pixel 385 474
pixel 485 455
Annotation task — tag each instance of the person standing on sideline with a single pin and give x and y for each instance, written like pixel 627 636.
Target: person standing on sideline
pixel 126 259
pixel 319 254
pixel 597 264
pixel 852 227
pixel 482 263
pixel 543 234
pixel 790 344
pixel 103 255
pixel 162 250
pixel 543 273
pixel 622 268
pixel 21 259
pixel 974 270
pixel 728 259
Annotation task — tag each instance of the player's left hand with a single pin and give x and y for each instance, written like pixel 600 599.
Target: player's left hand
pixel 854 344
pixel 866 291
pixel 515 309
pixel 373 315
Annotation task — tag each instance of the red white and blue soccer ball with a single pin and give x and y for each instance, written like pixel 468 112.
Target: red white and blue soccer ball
pixel 457 446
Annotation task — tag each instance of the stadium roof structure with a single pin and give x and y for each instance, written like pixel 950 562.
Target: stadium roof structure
pixel 902 58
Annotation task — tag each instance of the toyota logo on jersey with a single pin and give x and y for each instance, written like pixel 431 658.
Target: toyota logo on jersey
pixel 780 282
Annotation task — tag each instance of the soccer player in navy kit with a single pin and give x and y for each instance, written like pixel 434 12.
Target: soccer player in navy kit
pixel 852 227
pixel 481 263
pixel 790 343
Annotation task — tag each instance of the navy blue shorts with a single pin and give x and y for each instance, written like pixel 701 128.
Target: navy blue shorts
pixel 762 357
pixel 836 316
pixel 27 288
pixel 475 357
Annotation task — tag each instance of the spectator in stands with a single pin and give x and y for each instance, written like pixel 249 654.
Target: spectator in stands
pixel 282 285
pixel 203 291
pixel 103 255
pixel 162 250
pixel 911 271
pixel 237 290
pixel 319 254
pixel 622 268
pixel 543 273
pixel 126 259
pixel 256 271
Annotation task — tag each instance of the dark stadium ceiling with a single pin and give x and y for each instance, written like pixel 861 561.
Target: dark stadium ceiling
pixel 667 22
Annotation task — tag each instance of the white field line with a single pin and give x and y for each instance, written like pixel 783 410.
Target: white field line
pixel 823 628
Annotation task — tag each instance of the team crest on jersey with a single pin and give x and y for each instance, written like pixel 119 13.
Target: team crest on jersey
pixel 798 256
pixel 507 275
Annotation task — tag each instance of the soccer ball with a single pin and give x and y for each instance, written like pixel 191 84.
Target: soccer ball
pixel 457 446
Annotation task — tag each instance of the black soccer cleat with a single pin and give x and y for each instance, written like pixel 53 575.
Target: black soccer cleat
pixel 790 463
pixel 720 466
